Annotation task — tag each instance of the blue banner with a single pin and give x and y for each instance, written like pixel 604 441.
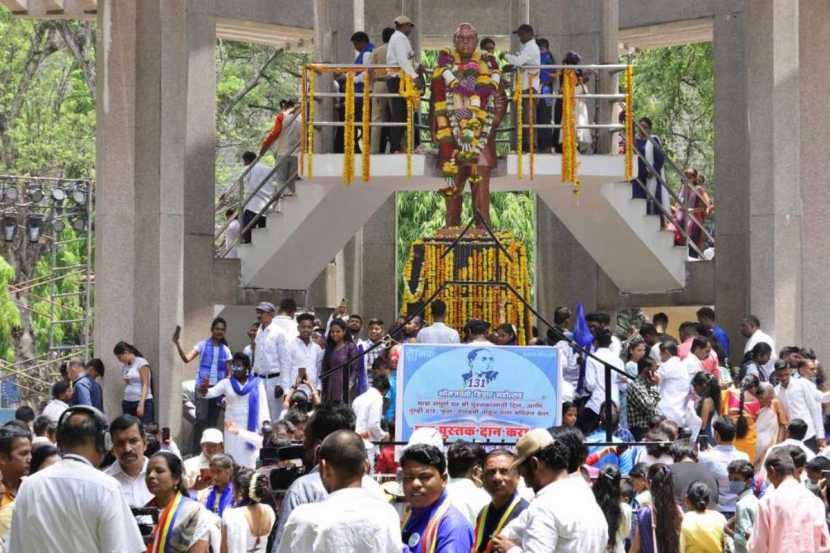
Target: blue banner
pixel 477 392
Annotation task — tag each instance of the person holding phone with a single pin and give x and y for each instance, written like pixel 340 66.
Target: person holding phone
pixel 642 397
pixel 197 469
pixel 305 355
pixel 214 358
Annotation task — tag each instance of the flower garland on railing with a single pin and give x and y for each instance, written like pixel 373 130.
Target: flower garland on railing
pixel 413 98
pixel 569 147
pixel 301 164
pixel 348 131
pixel 366 146
pixel 531 134
pixel 473 259
pixel 629 122
pixel 517 101
pixel 310 138
pixel 464 111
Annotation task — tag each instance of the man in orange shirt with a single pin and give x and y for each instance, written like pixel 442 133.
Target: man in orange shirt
pixel 286 133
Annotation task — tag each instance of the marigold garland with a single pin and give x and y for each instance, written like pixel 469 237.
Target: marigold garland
pixel 348 131
pixel 569 147
pixel 531 134
pixel 629 122
pixel 474 259
pixel 413 98
pixel 517 101
pixel 310 138
pixel 365 148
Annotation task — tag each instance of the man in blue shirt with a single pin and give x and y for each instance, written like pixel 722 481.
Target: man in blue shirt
pixel 706 317
pixel 361 43
pixel 86 390
pixel 432 524
pixel 544 106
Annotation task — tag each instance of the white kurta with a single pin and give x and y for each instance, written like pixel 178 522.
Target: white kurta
pixel 236 411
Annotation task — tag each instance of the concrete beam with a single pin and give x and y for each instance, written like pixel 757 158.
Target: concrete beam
pixel 689 31
pixel 645 13
pixel 17 7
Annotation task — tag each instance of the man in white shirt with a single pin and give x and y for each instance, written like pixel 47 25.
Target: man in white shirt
pixel 61 396
pixel 285 318
pixel 674 384
pixel 71 505
pixel 259 200
pixel 564 516
pixel 700 350
pixel 529 55
pixel 796 430
pixel 130 467
pixel 717 460
pixel 327 418
pixel 271 360
pixel 304 352
pixel 231 244
pixel 601 322
pixel 751 330
pixel 211 443
pixel 368 410
pixel 349 520
pixel 798 397
pixel 399 53
pixel 465 462
pixel 595 381
pixel 373 345
pixel 438 332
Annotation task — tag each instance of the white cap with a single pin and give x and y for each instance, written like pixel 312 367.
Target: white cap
pixel 403 20
pixel 212 436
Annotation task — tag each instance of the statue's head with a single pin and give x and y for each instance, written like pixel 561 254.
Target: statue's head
pixel 465 39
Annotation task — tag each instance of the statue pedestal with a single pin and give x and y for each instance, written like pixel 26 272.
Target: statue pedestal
pixel 475 274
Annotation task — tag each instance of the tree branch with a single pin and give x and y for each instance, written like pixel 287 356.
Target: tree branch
pixel 251 84
pixel 80 42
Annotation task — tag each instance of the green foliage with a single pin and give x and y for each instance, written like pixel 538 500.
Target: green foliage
pixel 421 214
pixel 9 315
pixel 674 86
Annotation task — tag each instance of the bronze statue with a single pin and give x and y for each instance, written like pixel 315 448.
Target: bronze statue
pixel 468 103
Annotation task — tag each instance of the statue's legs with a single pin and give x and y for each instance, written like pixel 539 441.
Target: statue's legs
pixel 481 197
pixel 454 203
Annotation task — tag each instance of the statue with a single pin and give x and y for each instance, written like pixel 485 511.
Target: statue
pixel 468 104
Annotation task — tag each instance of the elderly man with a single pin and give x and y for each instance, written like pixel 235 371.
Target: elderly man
pixel 463 102
pixel 212 442
pixel 501 481
pixel 271 359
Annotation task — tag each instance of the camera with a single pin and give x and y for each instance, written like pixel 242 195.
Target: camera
pixel 146 518
pixel 289 461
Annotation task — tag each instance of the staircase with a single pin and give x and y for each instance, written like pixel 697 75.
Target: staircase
pixel 324 214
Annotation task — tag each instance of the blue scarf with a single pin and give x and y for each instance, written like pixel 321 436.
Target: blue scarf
pixel 251 389
pixel 206 360
pixel 225 499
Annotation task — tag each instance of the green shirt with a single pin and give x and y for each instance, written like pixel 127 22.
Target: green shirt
pixel 745 511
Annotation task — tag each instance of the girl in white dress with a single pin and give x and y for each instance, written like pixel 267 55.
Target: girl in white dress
pixel 246 405
pixel 245 528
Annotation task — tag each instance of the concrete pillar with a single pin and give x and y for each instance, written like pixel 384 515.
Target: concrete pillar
pixel 609 53
pixel 732 261
pixel 378 294
pixel 814 35
pixel 774 190
pixel 141 137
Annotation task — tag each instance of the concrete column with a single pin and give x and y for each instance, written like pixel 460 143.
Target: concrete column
pixel 732 261
pixel 142 121
pixel 609 53
pixel 378 294
pixel 115 216
pixel 774 190
pixel 814 35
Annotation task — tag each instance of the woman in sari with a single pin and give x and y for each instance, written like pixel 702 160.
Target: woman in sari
pixel 184 526
pixel 341 355
pixel 742 406
pixel 771 423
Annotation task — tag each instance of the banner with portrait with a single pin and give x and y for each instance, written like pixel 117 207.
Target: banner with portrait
pixel 477 392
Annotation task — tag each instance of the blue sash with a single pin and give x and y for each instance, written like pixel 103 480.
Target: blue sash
pixel 225 499
pixel 251 389
pixel 206 361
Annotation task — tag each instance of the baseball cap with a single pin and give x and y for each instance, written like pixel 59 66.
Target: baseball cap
pixel 523 28
pixel 266 306
pixel 529 444
pixel 212 436
pixel 403 20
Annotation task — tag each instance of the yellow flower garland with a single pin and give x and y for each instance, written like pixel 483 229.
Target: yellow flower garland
pixel 531 119
pixel 629 122
pixel 366 147
pixel 410 93
pixel 348 131
pixel 569 146
pixel 303 130
pixel 310 139
pixel 517 101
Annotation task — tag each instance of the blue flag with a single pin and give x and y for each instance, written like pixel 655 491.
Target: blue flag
pixel 584 338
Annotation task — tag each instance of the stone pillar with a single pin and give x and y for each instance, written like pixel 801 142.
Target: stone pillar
pixel 141 136
pixel 732 261
pixel 115 216
pixel 775 242
pixel 814 35
pixel 378 285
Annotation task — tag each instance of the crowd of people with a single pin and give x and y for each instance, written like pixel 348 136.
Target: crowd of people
pixel 708 455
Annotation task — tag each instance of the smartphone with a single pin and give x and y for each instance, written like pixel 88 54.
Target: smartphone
pixel 165 434
pixel 303 374
pixel 177 333
pixel 205 474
